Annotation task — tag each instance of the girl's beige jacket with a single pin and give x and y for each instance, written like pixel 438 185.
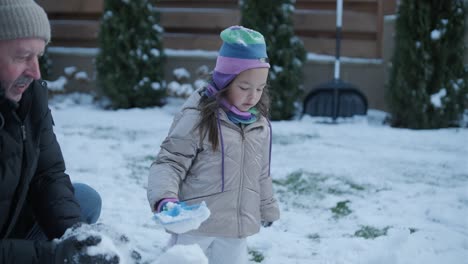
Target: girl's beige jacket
pixel 187 168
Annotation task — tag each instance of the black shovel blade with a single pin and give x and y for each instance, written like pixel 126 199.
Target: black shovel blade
pixel 335 99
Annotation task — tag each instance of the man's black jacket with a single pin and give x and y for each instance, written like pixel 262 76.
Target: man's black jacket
pixel 33 182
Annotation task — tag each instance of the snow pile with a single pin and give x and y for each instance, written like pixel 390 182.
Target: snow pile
pixel 183 254
pixel 180 90
pixel 57 85
pixel 69 71
pixel 181 73
pixel 375 193
pixel 180 218
pixel 183 86
pixel 112 243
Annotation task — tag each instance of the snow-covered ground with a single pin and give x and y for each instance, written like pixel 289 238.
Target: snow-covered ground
pixel 353 192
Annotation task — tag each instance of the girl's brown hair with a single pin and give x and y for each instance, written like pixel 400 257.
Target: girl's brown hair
pixel 208 113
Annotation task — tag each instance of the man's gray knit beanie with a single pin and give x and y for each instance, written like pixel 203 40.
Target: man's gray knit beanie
pixel 23 19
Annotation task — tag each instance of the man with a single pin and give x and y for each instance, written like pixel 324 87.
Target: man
pixel 37 200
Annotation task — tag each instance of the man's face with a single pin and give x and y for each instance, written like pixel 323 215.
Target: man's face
pixel 19 65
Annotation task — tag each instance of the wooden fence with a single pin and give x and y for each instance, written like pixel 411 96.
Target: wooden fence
pixel 192 25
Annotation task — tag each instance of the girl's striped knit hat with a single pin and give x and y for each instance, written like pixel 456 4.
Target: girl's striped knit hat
pixel 242 49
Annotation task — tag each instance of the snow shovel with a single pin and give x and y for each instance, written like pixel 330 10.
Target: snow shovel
pixel 336 98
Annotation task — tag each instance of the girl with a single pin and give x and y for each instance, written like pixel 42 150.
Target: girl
pixel 218 150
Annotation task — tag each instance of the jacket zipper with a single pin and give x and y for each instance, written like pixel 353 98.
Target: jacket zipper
pixel 22 126
pixel 23 137
pixel 23 132
pixel 241 181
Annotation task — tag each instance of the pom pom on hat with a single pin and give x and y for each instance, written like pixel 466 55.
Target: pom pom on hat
pixel 242 49
pixel 23 19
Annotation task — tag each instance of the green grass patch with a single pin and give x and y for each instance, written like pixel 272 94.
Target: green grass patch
pixel 303 183
pixel 139 167
pixel 303 190
pixel 300 182
pixel 341 209
pixel 106 132
pixel 314 237
pixel 149 158
pixel 355 186
pixel 256 256
pixel 344 187
pixel 369 232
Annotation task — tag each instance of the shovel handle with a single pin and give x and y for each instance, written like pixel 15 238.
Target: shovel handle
pixel 339 15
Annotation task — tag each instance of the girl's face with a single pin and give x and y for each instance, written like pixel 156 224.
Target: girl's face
pixel 245 90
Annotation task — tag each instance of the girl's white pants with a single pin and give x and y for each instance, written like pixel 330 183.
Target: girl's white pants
pixel 218 250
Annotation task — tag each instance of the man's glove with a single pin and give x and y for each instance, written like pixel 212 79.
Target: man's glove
pixel 266 223
pixel 83 250
pixel 95 243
